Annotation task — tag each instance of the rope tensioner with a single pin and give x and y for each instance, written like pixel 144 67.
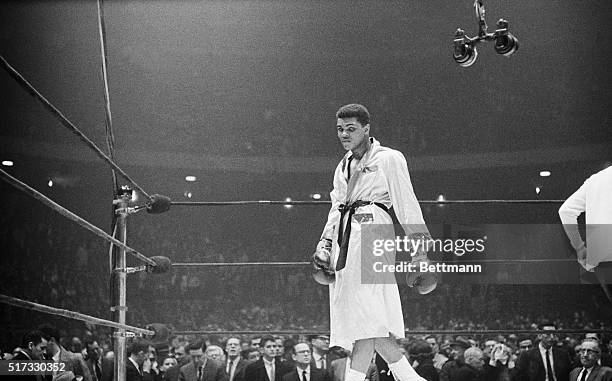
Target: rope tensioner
pixel 75 218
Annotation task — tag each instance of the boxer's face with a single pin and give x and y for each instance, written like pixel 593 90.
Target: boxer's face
pixel 351 133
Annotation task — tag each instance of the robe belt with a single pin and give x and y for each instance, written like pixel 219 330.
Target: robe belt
pixel 344 235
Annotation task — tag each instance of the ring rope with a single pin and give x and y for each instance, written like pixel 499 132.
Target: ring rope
pixel 70 314
pixel 65 122
pixel 108 121
pixel 320 202
pixel 408 331
pixel 292 264
pixel 71 216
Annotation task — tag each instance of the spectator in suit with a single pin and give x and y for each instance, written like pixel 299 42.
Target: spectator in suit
pixel 74 361
pixel 590 370
pixel 525 345
pixel 500 365
pixel 605 359
pixel 471 370
pixel 288 350
pixel 33 347
pixel 180 354
pixel 167 363
pixel 215 353
pixel 420 354
pixel 268 367
pixel 280 348
pixel 545 362
pixel 234 365
pixel 303 369
pixel 457 348
pixel 200 368
pixel 256 342
pixel 320 351
pixel 439 359
pixel 108 366
pixel 250 354
pixel 487 348
pixel 138 366
pixel 162 371
pixel 94 360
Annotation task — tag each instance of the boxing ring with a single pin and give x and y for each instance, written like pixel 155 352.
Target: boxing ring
pixel 123 207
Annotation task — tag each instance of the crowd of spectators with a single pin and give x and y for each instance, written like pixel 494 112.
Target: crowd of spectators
pixel 49 260
pixel 167 357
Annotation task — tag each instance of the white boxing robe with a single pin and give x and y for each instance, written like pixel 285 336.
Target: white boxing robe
pixel 361 311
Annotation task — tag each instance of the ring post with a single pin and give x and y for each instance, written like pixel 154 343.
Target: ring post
pixel 120 303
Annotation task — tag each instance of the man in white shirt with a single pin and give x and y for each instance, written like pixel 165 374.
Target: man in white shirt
pixel 594 198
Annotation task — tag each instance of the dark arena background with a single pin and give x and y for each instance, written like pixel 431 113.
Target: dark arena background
pixel 242 96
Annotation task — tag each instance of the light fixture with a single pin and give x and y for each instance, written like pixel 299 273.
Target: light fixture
pixel 544 173
pixel 288 206
pixel 316 196
pixel 190 178
pixel 7 163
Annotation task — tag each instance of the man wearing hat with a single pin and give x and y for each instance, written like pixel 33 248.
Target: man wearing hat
pixel 450 368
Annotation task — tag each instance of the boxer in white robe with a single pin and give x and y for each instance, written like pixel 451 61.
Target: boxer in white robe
pixel 367 317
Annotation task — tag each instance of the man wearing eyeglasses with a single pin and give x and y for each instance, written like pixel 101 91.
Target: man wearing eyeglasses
pixel 590 370
pixel 303 370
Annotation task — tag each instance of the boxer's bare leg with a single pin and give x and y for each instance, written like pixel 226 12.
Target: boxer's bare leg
pixel 387 348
